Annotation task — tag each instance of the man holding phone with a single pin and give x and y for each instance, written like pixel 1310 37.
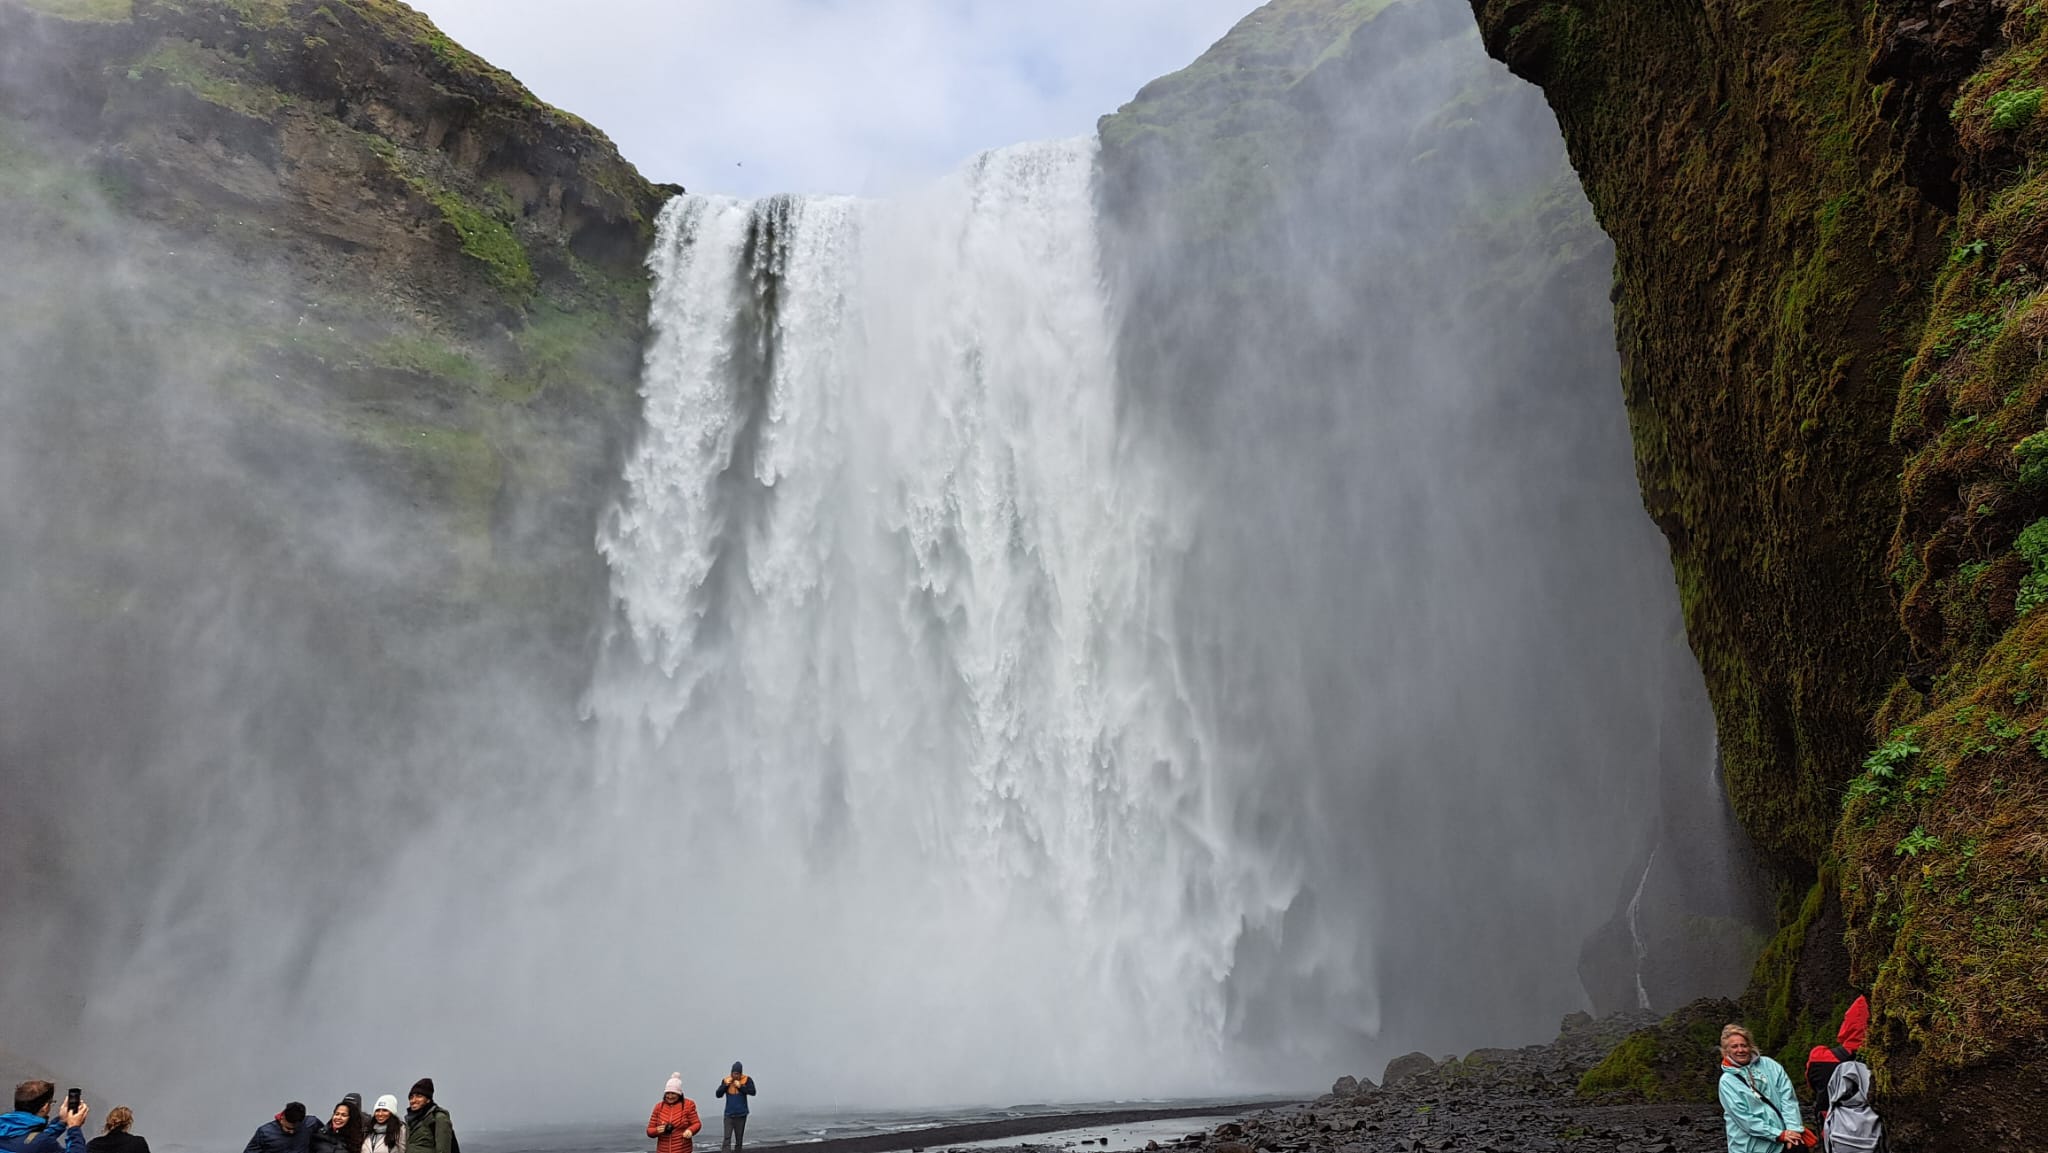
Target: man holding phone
pixel 31 1129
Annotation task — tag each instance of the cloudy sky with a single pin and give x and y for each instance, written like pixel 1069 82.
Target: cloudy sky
pixel 756 96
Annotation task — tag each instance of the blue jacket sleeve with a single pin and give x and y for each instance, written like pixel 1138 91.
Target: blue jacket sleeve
pixel 74 1140
pixel 751 1083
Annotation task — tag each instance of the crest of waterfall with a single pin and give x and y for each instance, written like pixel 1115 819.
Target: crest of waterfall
pixel 895 594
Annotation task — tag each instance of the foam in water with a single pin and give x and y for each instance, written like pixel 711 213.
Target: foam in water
pixel 896 594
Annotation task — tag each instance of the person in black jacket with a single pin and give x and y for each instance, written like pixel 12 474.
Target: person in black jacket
pixel 118 1137
pixel 291 1131
pixel 343 1134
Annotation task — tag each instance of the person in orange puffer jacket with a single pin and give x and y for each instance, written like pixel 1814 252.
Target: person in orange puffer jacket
pixel 1825 1059
pixel 673 1124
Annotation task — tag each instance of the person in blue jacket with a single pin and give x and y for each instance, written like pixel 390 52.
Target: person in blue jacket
pixel 736 1088
pixel 291 1131
pixel 31 1129
pixel 1759 1107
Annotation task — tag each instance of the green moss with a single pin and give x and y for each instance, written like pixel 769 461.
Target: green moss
pixel 489 241
pixel 1671 1061
pixel 2032 456
pixel 106 11
pixel 432 356
pixel 210 74
pixel 1626 1069
pixel 2033 548
pixel 1771 983
pixel 2014 108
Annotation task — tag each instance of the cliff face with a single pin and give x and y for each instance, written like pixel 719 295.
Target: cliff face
pixel 1825 217
pixel 396 252
pixel 319 345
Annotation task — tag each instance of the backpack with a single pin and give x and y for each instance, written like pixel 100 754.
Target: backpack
pixel 1852 1126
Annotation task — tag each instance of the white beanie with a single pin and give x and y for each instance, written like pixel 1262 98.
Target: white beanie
pixel 387 1102
pixel 675 1084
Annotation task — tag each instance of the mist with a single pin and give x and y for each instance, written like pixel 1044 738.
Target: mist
pixel 1040 641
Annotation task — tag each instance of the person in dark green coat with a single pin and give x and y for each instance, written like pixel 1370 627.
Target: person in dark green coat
pixel 427 1127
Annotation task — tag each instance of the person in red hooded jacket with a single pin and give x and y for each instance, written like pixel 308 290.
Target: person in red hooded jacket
pixel 1825 1059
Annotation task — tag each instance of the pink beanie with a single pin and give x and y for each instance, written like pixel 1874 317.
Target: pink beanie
pixel 675 1083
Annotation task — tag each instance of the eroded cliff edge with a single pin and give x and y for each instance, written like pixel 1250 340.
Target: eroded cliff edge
pixel 320 342
pixel 1829 301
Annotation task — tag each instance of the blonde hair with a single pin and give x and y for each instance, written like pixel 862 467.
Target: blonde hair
pixel 1728 1031
pixel 119 1117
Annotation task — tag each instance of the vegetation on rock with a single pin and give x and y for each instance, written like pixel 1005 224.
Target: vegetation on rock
pixel 1831 266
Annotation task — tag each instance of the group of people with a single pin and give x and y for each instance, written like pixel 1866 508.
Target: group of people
pixel 674 1124
pixel 1760 1108
pixel 41 1124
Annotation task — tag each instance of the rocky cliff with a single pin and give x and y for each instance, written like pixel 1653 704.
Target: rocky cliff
pixel 1827 219
pixel 393 251
pixel 319 345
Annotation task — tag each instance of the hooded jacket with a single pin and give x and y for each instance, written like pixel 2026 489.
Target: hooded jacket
pixel 1824 1060
pixel 1757 1104
pixel 1852 1126
pixel 28 1133
pixel 682 1115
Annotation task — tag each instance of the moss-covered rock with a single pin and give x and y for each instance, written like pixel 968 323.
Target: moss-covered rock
pixel 1826 218
pixel 1676 1060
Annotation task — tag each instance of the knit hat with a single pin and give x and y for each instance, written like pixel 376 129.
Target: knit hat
pixel 354 1101
pixel 424 1087
pixel 736 1067
pixel 388 1103
pixel 675 1084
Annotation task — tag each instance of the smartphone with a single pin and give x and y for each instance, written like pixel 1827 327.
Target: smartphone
pixel 71 1101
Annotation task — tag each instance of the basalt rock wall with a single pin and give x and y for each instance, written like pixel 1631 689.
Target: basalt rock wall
pixel 1827 225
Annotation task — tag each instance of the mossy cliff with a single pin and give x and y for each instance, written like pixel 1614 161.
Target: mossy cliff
pixel 319 349
pixel 1829 231
pixel 386 251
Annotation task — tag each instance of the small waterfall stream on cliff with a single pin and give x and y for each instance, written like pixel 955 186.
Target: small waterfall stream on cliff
pixel 898 594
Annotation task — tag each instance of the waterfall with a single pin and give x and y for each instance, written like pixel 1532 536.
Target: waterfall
pixel 1635 931
pixel 896 592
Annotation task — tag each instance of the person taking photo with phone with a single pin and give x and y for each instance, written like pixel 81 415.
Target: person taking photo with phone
pixel 27 1127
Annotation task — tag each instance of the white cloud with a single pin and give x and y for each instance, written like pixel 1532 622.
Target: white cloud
pixel 756 96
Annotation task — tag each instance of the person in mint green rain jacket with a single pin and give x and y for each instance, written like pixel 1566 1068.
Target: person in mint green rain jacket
pixel 1759 1107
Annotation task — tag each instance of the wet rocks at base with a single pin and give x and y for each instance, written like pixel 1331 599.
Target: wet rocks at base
pixel 1490 1101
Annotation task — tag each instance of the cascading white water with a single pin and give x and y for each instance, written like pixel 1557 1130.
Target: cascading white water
pixel 1635 931
pixel 897 591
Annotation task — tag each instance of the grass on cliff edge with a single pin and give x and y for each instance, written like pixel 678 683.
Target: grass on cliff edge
pixel 109 11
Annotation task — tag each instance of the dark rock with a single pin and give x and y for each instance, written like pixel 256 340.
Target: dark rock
pixel 1230 1131
pixel 1575 1022
pixel 1404 1067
